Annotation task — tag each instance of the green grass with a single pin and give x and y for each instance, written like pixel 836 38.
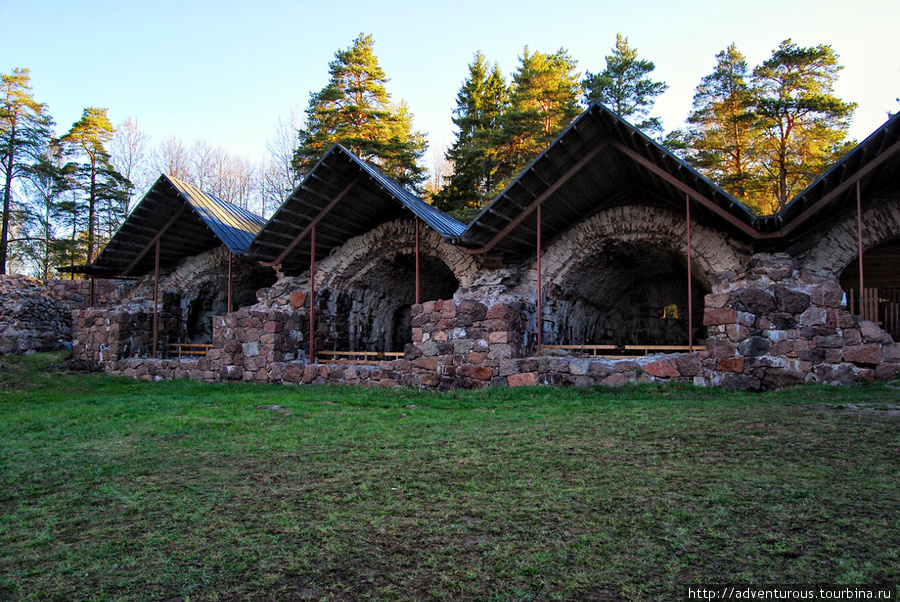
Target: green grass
pixel 128 490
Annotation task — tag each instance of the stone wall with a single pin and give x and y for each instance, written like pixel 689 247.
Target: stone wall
pixel 104 336
pixel 30 319
pixel 77 293
pixel 782 326
pixel 767 320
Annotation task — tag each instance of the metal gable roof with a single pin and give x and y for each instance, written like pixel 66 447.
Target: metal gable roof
pixel 599 161
pixel 342 197
pixel 236 227
pixel 185 220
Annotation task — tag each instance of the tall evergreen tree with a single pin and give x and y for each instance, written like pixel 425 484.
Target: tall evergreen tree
pixel 625 86
pixel 543 102
pixel 104 187
pixel 480 102
pixel 24 133
pixel 355 110
pixel 804 125
pixel 45 188
pixel 721 127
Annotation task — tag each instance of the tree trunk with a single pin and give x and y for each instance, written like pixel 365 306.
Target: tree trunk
pixel 92 200
pixel 7 200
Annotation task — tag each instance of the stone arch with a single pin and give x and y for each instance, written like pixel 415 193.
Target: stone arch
pixel 620 277
pixel 717 260
pixel 368 284
pixel 196 289
pixel 353 260
pixel 834 254
pixel 836 248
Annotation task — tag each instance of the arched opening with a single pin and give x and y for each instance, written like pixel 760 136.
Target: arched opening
pixel 625 293
pixel 207 296
pixel 881 279
pixel 377 303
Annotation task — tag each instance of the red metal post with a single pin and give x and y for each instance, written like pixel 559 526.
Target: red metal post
pixel 687 199
pixel 156 302
pixel 540 316
pixel 862 288
pixel 312 294
pixel 91 295
pixel 229 308
pixel 417 261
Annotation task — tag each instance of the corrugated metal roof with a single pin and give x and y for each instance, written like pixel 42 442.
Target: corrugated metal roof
pixel 235 227
pixel 187 221
pixel 439 221
pixel 344 197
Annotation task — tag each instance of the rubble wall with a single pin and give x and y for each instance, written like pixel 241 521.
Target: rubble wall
pixel 30 319
pixel 77 293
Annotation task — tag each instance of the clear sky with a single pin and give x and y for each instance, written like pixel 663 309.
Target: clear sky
pixel 224 71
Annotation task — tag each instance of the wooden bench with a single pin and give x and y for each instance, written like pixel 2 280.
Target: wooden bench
pixel 357 357
pixel 189 349
pixel 619 351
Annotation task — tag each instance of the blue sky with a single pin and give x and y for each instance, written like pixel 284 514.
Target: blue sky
pixel 223 71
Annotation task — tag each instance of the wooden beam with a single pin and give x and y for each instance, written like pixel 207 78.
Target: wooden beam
pixel 685 188
pixel 840 189
pixel 543 197
pixel 155 240
pixel 312 224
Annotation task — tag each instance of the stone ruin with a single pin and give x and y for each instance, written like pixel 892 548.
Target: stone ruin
pixel 30 318
pixel 768 320
pixel 719 297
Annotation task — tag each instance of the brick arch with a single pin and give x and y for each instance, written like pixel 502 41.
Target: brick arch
pixel 837 247
pixel 715 260
pixel 351 262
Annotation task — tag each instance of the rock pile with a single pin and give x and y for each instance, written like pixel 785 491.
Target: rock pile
pixel 30 319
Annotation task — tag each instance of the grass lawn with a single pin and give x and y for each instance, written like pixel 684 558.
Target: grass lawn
pixel 127 490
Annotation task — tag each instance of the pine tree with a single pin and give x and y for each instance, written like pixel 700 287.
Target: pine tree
pixel 481 101
pixel 721 127
pixel 355 110
pixel 804 125
pixel 103 186
pixel 24 133
pixel 543 102
pixel 625 86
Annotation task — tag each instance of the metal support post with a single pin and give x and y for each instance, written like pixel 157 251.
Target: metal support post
pixel 859 244
pixel 312 294
pixel 417 261
pixel 156 302
pixel 687 199
pixel 228 310
pixel 540 316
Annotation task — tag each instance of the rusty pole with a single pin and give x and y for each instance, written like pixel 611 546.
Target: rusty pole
pixel 228 309
pixel 540 317
pixel 91 295
pixel 859 244
pixel 312 293
pixel 417 261
pixel 687 199
pixel 156 302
